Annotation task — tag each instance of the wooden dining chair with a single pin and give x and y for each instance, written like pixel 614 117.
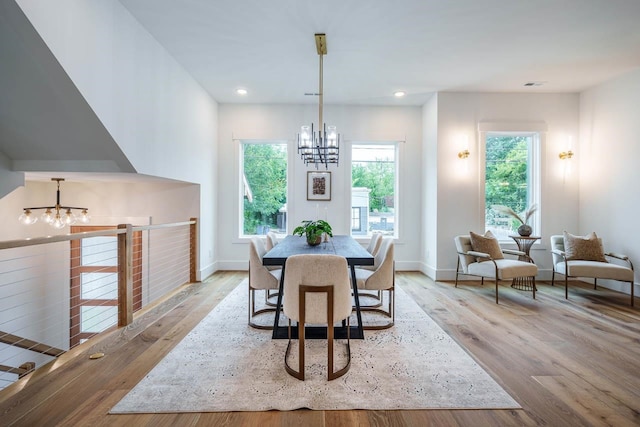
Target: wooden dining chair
pixel 317 291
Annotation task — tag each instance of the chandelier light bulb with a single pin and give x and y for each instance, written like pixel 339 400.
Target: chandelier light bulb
pixel 27 218
pixel 58 221
pixel 47 216
pixel 84 216
pixel 69 218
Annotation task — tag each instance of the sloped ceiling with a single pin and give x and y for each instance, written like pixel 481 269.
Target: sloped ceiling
pixel 45 123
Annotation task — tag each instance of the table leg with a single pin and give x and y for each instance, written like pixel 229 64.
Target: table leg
pixel 356 299
pixel 278 304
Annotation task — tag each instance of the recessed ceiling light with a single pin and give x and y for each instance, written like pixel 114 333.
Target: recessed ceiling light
pixel 399 93
pixel 241 91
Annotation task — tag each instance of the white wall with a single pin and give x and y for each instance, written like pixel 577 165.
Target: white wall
pixel 458 192
pixel 282 122
pixel 430 187
pixel 608 155
pixel 163 121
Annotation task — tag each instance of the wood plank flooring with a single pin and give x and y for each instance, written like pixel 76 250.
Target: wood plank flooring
pixel 569 362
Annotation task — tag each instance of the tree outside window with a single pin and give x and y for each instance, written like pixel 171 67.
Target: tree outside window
pixel 264 168
pixel 509 179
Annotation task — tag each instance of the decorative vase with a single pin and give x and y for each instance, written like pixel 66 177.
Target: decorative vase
pixel 315 242
pixel 525 230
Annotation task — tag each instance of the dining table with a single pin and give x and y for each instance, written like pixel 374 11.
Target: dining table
pixel 342 245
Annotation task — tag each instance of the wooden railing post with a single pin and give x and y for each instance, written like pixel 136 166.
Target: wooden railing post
pixel 125 276
pixel 193 250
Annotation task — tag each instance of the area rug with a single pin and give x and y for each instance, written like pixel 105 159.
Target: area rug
pixel 224 365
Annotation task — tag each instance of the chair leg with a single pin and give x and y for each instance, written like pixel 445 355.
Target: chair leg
pixel 253 312
pixel 496 288
pixel 534 286
pixel 566 287
pixel 553 276
pixel 389 312
pixel 299 374
pixel 632 286
pixel 457 272
pixel 331 374
pixel 595 283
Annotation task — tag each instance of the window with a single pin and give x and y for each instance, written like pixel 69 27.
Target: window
pixel 374 188
pixel 356 219
pixel 264 188
pixel 512 177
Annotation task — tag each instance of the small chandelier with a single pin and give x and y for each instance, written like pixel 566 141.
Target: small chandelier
pixel 57 216
pixel 321 146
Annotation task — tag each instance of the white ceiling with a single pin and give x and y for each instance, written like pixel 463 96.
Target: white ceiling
pixel 378 47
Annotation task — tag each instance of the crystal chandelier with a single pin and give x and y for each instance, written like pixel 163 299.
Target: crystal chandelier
pixel 321 146
pixel 57 216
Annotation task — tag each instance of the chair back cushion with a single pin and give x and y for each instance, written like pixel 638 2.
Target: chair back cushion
pixel 557 242
pixel 317 270
pixel 259 276
pixel 383 276
pixel 272 240
pixel 487 244
pixel 374 243
pixel 587 248
pixel 463 245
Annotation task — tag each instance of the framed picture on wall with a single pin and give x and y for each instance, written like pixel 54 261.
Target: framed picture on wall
pixel 319 186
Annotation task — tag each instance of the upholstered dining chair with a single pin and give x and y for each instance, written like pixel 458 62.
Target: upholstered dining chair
pixel 272 240
pixel 317 291
pixel 260 278
pixel 577 256
pixel 373 247
pixel 491 263
pixel 374 243
pixel 381 279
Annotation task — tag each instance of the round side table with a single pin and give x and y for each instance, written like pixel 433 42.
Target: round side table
pixel 524 245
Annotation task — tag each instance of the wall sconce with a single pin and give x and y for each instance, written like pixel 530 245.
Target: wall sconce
pixel 463 154
pixel 566 155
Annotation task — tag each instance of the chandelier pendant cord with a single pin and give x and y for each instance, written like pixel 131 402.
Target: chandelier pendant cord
pixel 321 146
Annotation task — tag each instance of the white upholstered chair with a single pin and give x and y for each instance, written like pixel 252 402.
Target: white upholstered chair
pixel 260 278
pixel 374 243
pixel 381 279
pixel 272 240
pixel 603 269
pixel 373 247
pixel 317 291
pixel 472 263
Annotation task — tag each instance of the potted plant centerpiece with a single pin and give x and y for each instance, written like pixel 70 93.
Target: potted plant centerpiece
pixel 524 229
pixel 313 230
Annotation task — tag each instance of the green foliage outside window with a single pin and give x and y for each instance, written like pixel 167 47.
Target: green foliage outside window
pixel 506 176
pixel 265 169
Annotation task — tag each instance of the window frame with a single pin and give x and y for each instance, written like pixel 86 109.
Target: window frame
pixel 536 130
pixel 241 191
pixel 397 156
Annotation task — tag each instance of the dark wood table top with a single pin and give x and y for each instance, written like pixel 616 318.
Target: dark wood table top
pixel 345 246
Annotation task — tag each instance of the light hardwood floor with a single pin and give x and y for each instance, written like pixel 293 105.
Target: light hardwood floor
pixel 569 362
